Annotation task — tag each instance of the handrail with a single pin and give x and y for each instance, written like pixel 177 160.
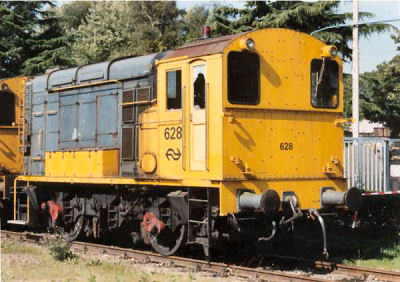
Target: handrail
pixel 83 85
pixel 183 107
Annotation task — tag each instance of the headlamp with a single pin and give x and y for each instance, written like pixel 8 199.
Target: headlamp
pixel 329 51
pixel 250 44
pixel 247 44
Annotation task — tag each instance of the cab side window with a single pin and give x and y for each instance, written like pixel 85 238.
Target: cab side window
pixel 7 108
pixel 324 83
pixel 199 87
pixel 243 78
pixel 174 87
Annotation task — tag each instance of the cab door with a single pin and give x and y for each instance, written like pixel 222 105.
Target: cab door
pixel 198 133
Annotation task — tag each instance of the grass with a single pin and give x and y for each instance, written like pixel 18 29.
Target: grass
pixel 26 262
pixel 376 247
pixel 18 248
pixel 387 258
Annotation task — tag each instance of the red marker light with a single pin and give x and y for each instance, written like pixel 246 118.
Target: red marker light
pixel 206 32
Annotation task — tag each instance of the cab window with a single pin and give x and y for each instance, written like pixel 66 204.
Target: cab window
pixel 243 78
pixel 324 83
pixel 174 86
pixel 199 87
pixel 7 108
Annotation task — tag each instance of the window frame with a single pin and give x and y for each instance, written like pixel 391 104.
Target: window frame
pixel 192 91
pixel 166 89
pixel 257 102
pixel 13 112
pixel 311 88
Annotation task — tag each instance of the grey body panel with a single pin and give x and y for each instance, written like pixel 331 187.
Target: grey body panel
pixel 37 124
pixel 92 73
pixel 89 118
pixel 61 78
pixel 84 116
pixel 132 67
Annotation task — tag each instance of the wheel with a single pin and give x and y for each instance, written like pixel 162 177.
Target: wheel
pixel 73 231
pixel 167 242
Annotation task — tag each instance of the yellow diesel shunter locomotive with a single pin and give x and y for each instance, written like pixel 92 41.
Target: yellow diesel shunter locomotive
pixel 224 138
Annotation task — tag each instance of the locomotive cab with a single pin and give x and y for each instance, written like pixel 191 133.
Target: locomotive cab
pixel 256 111
pixel 267 126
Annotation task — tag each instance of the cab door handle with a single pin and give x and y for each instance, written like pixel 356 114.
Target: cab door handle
pixel 343 121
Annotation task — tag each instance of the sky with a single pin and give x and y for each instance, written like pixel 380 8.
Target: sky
pixel 373 50
pixel 378 47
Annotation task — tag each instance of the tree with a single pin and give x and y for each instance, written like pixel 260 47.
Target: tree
pixel 367 84
pixel 74 13
pixel 101 33
pixel 157 26
pixel 50 46
pixel 383 100
pixel 127 28
pixel 193 20
pixel 297 15
pixel 30 39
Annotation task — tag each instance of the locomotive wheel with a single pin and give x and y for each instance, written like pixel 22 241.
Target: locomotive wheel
pixel 70 234
pixel 167 242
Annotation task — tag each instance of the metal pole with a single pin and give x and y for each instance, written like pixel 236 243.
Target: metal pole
pixel 355 88
pixel 355 71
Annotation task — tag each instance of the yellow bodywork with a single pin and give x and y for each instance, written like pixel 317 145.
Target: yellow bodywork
pixel 240 143
pixel 243 140
pixel 253 134
pixel 93 163
pixel 11 159
pixel 11 134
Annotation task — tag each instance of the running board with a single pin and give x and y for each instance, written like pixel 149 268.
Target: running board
pixel 17 222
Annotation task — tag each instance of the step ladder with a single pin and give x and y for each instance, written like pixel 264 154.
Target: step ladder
pixel 112 219
pixel 68 212
pixel 21 206
pixel 21 126
pixel 24 105
pixel 204 201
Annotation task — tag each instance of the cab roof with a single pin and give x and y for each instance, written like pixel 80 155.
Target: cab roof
pixel 203 47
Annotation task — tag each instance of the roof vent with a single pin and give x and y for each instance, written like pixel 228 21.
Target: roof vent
pixel 206 32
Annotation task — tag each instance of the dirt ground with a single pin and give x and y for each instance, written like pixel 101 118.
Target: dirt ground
pixel 21 261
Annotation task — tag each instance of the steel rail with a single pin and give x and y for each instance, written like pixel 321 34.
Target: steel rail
pixel 148 257
pixel 222 269
pixel 337 268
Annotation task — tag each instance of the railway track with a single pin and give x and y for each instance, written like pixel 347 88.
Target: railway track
pixel 344 269
pixel 324 270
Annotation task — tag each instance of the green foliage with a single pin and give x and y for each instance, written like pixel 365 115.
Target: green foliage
pixel 144 277
pixel 50 46
pixel 193 20
pixel 92 278
pixel 367 82
pixel 379 95
pixel 127 28
pixel 93 262
pixel 383 103
pixel 36 36
pixel 61 251
pixel 297 15
pixel 74 13
pixel 95 40
pixel 157 26
pixel 31 39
